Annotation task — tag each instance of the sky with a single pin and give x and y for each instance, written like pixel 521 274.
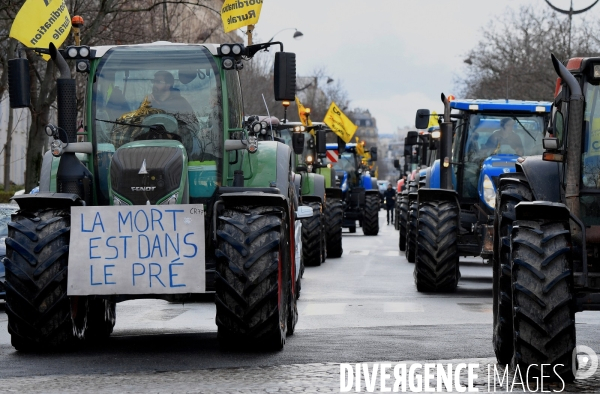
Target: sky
pixel 393 56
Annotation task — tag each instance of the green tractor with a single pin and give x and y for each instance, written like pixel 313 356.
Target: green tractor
pixel 171 194
pixel 321 233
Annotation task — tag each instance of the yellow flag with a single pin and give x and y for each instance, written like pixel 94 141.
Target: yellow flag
pixel 339 123
pixel 239 13
pixel 433 120
pixel 302 113
pixel 40 22
pixel 359 147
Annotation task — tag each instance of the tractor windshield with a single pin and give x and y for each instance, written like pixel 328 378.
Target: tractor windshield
pixel 346 162
pixel 591 145
pixel 494 134
pixel 176 89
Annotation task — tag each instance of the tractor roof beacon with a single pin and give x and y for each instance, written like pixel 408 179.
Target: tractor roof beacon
pixel 548 265
pixel 480 140
pixel 164 197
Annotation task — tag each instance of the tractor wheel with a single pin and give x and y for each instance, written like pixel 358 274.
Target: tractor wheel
pixel 436 268
pixel 38 309
pixel 396 216
pixel 334 216
pixel 313 244
pixel 370 222
pixel 403 222
pixel 411 232
pixel 511 191
pixel 292 309
pixel 253 276
pixel 543 302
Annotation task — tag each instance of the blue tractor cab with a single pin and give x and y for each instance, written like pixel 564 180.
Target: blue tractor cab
pixel 360 192
pixel 480 140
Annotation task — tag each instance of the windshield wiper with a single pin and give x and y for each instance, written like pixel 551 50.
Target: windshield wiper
pixel 155 127
pixel 521 124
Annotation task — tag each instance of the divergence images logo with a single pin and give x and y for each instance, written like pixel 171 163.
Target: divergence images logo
pixel 587 360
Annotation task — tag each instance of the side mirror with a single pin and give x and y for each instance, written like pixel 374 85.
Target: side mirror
pixel 397 164
pixel 341 145
pixel 298 143
pixel 285 76
pixel 18 83
pixel 412 138
pixel 550 143
pixel 321 143
pixel 373 152
pixel 304 212
pixel 422 119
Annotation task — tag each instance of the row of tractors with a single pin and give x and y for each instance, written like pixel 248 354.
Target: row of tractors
pixel 516 183
pixel 165 139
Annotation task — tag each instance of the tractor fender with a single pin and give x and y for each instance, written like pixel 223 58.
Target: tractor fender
pixel 426 194
pixel 536 210
pixel 433 178
pixel 33 202
pixel 313 185
pixel 543 177
pixel 269 167
pixel 333 192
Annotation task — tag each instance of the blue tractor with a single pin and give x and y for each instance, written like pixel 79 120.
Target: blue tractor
pixel 360 193
pixel 454 204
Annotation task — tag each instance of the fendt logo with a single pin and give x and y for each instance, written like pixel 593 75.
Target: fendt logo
pixel 143 189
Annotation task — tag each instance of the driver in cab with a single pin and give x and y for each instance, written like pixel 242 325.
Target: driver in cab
pixel 506 136
pixel 165 97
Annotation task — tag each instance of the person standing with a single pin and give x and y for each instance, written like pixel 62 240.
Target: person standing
pixel 390 196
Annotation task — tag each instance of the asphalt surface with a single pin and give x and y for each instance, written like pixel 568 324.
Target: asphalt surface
pixel 362 307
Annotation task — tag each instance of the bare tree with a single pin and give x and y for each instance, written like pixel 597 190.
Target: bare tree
pixel 512 60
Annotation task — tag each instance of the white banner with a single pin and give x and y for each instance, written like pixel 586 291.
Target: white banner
pixel 139 249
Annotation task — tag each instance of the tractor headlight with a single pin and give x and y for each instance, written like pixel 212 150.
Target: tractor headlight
pixel 171 200
pixel 225 49
pixel 309 159
pixel 118 201
pixel 489 192
pixel 72 52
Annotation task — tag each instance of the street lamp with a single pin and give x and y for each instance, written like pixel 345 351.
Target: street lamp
pixel 297 35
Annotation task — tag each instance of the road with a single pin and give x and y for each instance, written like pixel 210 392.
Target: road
pixel 362 307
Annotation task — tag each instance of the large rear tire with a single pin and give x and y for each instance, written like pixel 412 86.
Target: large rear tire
pixel 370 222
pixel 313 231
pixel 37 306
pixel 543 304
pixel 512 189
pixel 436 268
pixel 334 216
pixel 403 225
pixel 253 276
pixel 411 232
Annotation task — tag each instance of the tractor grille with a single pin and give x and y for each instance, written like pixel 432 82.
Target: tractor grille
pixel 164 167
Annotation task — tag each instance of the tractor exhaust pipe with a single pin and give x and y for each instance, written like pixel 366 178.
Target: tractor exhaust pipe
pixel 66 97
pixel 575 124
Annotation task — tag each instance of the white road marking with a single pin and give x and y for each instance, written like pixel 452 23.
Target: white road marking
pixel 397 307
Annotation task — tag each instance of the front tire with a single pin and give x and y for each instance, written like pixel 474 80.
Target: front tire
pixel 411 232
pixel 313 245
pixel 512 189
pixel 403 221
pixel 38 309
pixel 543 303
pixel 334 216
pixel 253 275
pixel 370 222
pixel 436 268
